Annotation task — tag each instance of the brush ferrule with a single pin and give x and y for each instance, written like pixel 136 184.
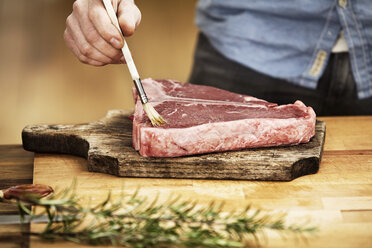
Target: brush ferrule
pixel 140 91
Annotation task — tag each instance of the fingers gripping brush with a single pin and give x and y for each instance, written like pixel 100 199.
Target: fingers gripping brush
pixel 154 116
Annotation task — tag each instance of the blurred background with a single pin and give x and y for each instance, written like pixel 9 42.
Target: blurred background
pixel 42 82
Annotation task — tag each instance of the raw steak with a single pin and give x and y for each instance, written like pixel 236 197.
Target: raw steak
pixel 203 119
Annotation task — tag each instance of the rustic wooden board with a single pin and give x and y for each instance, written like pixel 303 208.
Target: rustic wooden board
pixel 107 145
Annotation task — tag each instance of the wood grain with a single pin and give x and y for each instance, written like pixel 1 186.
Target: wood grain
pixel 348 132
pixel 16 167
pixel 107 145
pixel 344 180
pixel 337 199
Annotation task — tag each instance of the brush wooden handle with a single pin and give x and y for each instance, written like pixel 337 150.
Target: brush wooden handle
pixel 127 54
pixel 125 49
pixel 153 115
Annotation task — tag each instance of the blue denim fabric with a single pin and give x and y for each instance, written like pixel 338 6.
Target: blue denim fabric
pixel 291 39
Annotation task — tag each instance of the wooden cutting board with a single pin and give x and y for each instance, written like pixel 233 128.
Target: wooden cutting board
pixel 107 146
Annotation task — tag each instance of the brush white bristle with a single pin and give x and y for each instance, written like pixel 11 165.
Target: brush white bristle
pixel 154 116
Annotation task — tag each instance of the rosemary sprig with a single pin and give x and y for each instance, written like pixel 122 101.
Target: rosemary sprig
pixel 133 221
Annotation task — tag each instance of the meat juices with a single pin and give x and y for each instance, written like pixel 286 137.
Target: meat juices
pixel 204 119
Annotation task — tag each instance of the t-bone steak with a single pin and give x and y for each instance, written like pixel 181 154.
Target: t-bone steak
pixel 204 119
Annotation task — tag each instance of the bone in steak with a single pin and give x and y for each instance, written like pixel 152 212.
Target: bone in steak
pixel 203 119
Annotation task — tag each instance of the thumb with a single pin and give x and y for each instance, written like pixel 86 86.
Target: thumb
pixel 129 16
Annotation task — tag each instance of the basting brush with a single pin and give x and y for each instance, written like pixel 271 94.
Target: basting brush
pixel 154 116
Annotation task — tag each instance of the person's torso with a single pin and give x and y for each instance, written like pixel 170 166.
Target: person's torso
pixel 290 39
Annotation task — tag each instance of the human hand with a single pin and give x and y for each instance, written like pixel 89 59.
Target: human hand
pixel 92 37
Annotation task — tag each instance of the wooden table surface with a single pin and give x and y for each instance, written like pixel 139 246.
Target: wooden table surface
pixel 16 167
pixel 338 198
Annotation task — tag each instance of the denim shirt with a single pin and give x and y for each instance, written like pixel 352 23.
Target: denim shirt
pixel 291 39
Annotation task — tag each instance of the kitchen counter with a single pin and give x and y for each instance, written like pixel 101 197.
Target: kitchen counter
pixel 338 199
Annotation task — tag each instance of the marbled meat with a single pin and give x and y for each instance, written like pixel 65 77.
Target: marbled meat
pixel 204 119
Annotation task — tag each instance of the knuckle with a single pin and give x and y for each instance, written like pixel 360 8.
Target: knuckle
pixel 82 59
pixel 65 35
pixel 67 38
pixel 94 16
pixel 87 50
pixel 106 35
pixel 76 6
pixel 93 13
pixel 92 37
pixel 68 21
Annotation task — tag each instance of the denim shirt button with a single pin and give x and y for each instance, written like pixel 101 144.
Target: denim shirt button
pixel 342 3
